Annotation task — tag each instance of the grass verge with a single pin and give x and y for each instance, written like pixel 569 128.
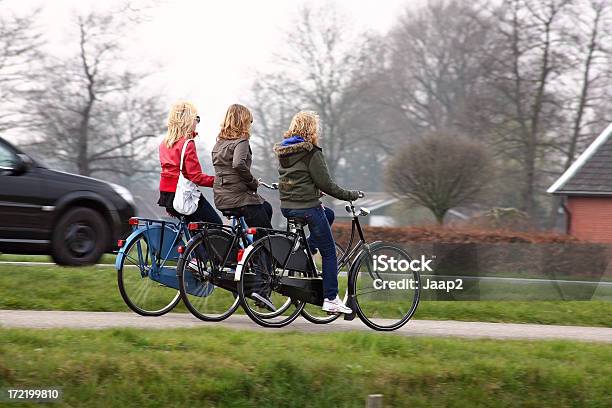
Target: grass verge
pixel 225 368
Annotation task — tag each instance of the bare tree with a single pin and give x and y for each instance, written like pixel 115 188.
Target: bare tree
pixel 525 104
pixel 272 113
pixel 436 65
pixel 20 42
pixel 90 110
pixel 318 70
pixel 440 171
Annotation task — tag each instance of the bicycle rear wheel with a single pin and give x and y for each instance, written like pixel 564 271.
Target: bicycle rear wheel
pixel 262 273
pixel 313 313
pixel 139 291
pixel 385 290
pixel 203 299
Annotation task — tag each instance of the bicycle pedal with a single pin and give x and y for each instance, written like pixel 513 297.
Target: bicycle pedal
pixel 333 313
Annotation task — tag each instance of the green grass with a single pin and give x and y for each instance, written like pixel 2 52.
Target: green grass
pixel 106 259
pixel 95 289
pixel 215 367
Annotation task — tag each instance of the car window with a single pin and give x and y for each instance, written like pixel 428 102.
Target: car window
pixel 7 157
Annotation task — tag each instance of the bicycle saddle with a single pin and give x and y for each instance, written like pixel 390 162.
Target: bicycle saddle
pixel 231 213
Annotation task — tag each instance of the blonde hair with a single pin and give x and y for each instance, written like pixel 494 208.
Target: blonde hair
pixel 237 123
pixel 180 122
pixel 306 125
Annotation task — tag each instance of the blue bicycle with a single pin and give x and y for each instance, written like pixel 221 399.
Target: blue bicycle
pixel 146 265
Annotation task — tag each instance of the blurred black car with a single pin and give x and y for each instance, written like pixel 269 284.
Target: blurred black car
pixel 73 218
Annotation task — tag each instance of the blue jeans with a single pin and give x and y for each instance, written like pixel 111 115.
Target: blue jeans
pixel 318 219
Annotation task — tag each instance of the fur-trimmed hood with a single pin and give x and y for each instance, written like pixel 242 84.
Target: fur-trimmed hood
pixel 281 150
pixel 290 154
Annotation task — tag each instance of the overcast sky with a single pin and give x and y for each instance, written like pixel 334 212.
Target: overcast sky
pixel 195 42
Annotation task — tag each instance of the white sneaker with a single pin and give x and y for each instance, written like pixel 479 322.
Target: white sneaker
pixel 336 306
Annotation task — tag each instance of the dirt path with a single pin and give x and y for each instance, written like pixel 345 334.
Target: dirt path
pixel 438 328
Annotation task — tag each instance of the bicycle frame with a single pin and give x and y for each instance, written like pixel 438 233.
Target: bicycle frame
pixel 160 251
pixel 311 270
pixel 352 252
pixel 238 230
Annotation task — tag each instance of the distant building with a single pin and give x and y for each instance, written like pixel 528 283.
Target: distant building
pixel 587 186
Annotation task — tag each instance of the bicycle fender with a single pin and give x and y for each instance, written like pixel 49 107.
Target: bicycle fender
pixel 128 242
pixel 352 275
pixel 238 272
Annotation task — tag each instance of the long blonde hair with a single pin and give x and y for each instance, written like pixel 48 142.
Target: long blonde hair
pixel 180 122
pixel 237 123
pixel 306 125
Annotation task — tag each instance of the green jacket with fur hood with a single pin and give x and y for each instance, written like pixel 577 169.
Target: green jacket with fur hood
pixel 303 174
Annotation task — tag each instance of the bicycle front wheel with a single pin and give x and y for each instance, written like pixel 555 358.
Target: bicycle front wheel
pixel 384 289
pixel 139 291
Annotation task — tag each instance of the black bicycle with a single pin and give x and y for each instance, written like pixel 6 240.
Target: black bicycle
pixel 383 285
pixel 207 264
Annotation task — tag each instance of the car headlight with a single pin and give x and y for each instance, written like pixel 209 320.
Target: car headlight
pixel 124 193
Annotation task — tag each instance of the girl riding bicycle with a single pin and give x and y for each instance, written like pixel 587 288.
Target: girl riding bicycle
pixel 235 187
pixel 303 174
pixel 182 122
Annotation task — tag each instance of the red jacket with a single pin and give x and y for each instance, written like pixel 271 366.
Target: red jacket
pixel 170 158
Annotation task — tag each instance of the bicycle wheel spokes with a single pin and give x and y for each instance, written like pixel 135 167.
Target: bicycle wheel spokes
pixel 384 288
pixel 261 275
pixel 138 289
pixel 203 299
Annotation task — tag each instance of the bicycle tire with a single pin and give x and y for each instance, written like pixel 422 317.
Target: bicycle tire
pixel 368 320
pixel 191 246
pixel 144 269
pixel 248 268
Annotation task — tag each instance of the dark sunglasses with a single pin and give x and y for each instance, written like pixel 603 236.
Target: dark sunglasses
pixel 198 119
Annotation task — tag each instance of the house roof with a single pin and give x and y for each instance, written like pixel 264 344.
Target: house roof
pixel 591 173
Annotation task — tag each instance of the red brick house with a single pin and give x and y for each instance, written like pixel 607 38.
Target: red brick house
pixel 587 186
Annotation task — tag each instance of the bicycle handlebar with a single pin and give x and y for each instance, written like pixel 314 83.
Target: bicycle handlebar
pixel 273 186
pixel 360 194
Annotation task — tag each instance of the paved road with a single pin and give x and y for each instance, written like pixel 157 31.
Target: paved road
pixel 103 320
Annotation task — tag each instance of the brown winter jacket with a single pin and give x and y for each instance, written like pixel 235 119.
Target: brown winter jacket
pixel 234 184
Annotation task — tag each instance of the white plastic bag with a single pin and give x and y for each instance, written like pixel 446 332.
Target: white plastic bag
pixel 187 193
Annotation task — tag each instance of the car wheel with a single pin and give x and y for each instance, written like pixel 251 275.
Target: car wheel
pixel 79 238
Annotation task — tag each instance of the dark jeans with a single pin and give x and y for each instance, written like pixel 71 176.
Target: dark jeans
pixel 329 214
pixel 318 219
pixel 205 212
pixel 256 215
